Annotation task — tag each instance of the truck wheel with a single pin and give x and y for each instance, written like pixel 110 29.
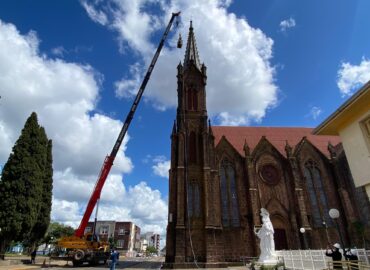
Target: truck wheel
pixel 78 256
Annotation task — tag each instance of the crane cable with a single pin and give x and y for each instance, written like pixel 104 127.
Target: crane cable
pixel 187 195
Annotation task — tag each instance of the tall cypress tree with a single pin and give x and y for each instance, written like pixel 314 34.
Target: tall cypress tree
pixel 26 178
pixel 40 228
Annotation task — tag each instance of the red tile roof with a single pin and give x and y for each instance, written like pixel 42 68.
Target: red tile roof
pixel 277 136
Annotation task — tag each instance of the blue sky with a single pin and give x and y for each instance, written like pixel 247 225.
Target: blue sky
pixel 78 64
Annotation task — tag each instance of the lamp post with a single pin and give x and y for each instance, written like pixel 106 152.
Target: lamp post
pixel 303 230
pixel 326 231
pixel 51 241
pixel 334 214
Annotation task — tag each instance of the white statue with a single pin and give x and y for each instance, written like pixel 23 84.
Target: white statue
pixel 266 236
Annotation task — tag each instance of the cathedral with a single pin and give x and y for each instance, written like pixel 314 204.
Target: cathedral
pixel 221 176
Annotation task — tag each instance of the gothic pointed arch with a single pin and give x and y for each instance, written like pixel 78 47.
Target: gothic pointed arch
pixel 224 146
pixel 305 145
pixel 265 146
pixel 317 194
pixel 274 206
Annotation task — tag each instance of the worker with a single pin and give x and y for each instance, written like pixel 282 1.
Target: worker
pixel 114 259
pixel 335 254
pixel 33 257
pixel 351 255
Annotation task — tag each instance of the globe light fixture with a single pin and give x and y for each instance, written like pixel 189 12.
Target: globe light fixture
pixel 302 230
pixel 334 213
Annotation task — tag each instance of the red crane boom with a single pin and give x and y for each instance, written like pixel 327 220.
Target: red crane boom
pixel 108 162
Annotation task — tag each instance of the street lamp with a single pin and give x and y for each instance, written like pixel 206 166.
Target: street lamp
pixel 334 214
pixel 326 231
pixel 303 230
pixel 51 241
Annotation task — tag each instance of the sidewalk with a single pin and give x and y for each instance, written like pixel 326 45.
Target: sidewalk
pixel 16 263
pixel 19 267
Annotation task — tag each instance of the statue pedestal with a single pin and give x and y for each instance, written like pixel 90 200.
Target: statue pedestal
pixel 271 263
pixel 268 262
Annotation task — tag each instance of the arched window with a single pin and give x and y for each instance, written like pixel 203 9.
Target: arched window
pixel 229 198
pixel 192 99
pixel 316 193
pixel 193 199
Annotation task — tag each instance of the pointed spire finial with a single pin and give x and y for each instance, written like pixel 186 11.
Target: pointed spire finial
pixel 191 53
pixel 288 149
pixel 246 148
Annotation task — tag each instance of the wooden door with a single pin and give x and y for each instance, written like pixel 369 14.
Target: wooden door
pixel 280 239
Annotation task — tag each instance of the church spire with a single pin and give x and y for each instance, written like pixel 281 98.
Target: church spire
pixel 191 54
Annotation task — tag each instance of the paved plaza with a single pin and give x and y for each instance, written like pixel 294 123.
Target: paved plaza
pixel 129 263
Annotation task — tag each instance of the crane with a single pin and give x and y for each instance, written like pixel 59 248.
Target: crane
pixel 78 245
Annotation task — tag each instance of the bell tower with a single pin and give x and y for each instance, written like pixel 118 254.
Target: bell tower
pixel 194 218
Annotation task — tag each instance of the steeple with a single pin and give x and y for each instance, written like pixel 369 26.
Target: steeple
pixel 191 54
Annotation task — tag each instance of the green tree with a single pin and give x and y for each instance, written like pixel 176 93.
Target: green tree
pixel 43 220
pixel 25 186
pixel 151 250
pixel 56 231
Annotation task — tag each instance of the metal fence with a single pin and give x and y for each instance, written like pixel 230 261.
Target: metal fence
pixel 314 259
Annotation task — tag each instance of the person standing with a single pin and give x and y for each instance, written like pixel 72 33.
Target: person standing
pixel 33 256
pixel 335 254
pixel 114 259
pixel 350 255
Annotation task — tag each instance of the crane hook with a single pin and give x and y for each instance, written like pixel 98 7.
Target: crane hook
pixel 179 42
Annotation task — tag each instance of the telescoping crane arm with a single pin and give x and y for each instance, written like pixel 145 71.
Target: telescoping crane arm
pixel 108 162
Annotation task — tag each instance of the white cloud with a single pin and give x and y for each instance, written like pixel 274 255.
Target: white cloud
pixel 315 112
pixel 351 77
pixel 161 166
pixel 95 15
pixel 66 212
pixel 286 24
pixel 64 95
pixel 227 44
pixel 140 204
pixel 58 51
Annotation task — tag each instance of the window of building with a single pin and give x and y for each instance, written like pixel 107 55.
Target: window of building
pixel 88 230
pixel 193 199
pixel 270 174
pixel 104 229
pixel 317 196
pixel 365 126
pixel 192 99
pixel 120 243
pixel 121 231
pixel 229 198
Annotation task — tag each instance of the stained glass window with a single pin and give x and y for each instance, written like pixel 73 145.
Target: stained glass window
pixel 194 200
pixel 316 193
pixel 229 198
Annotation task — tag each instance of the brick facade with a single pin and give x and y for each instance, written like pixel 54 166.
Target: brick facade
pixel 126 235
pixel 220 177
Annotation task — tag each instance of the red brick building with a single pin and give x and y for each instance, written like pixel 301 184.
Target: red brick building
pixel 126 235
pixel 220 177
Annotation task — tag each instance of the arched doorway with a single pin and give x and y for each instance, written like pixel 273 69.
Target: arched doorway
pixel 280 235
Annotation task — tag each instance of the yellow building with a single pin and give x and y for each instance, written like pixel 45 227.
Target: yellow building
pixel 351 122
